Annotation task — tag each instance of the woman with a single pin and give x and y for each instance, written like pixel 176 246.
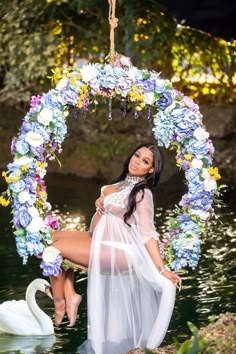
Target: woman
pixel 131 293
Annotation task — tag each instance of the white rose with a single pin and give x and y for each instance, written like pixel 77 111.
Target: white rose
pixel 149 98
pixel 204 215
pixel 34 139
pixel 210 184
pixel 125 61
pixel 62 84
pixel 200 134
pixel 23 197
pixel 205 174
pixel 134 73
pixel 50 254
pixel 35 225
pixel 88 72
pixel 196 163
pixel 33 212
pixel 45 116
pixel 42 172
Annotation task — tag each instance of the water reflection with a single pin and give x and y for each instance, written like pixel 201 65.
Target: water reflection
pixel 26 344
pixel 207 291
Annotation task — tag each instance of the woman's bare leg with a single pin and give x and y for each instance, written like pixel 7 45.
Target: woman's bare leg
pixel 73 299
pixel 75 246
pixel 57 284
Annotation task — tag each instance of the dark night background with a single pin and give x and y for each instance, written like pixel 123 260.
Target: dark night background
pixel 214 16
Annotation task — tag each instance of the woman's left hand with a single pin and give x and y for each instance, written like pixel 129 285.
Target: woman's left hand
pixel 176 280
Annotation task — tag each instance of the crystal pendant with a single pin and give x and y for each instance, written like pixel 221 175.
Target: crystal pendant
pixel 149 113
pixel 110 109
pixel 135 114
pixel 124 108
pixel 75 112
pixel 84 113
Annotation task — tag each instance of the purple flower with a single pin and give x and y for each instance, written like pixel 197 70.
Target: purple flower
pixel 202 200
pixel 35 100
pixel 52 268
pixel 148 85
pixel 13 145
pixel 52 222
pixel 38 152
pixel 22 218
pixel 164 101
pixel 30 184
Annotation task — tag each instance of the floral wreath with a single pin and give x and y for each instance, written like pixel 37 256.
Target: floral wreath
pixel 177 125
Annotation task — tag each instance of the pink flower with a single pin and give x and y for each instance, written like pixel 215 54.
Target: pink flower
pixel 35 100
pixel 13 145
pixel 52 221
pixel 189 103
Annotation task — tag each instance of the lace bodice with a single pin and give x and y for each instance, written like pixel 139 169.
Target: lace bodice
pixel 118 199
pixel 142 219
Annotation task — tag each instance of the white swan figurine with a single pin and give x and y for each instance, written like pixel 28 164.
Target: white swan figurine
pixel 25 317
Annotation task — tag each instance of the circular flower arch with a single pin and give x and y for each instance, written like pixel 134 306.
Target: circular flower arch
pixel 177 124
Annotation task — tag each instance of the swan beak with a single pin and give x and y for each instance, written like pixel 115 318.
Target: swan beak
pixel 48 291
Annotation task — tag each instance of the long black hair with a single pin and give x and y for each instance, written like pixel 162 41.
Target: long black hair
pixel 150 181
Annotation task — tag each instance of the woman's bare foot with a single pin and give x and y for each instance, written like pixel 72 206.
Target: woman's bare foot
pixel 72 308
pixel 60 310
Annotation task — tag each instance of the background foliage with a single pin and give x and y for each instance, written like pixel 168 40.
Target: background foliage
pixel 38 35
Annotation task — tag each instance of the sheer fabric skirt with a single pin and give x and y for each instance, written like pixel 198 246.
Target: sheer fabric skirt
pixel 129 303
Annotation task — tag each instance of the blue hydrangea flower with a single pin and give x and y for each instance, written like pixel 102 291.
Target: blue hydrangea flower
pixel 50 100
pixel 22 147
pixel 164 101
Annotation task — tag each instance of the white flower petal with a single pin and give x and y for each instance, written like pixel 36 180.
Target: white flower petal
pixel 34 139
pixel 50 254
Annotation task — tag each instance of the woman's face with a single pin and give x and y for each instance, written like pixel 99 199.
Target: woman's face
pixel 141 163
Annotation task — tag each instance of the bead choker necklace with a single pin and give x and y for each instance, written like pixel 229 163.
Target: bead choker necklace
pixel 128 181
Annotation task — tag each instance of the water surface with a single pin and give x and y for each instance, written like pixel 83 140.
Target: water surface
pixel 207 291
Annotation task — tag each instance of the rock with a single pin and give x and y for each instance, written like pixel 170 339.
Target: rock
pixel 220 120
pixel 220 337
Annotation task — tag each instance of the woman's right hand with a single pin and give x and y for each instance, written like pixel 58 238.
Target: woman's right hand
pixel 99 205
pixel 172 276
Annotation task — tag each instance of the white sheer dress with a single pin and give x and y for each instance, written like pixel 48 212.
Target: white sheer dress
pixel 129 303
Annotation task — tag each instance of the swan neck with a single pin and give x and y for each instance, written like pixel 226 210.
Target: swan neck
pixel 33 306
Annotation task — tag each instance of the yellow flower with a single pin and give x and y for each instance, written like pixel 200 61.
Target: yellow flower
pixel 136 95
pixel 58 28
pixel 10 179
pixel 41 164
pixel 188 157
pixel 4 202
pixel 42 194
pixel 74 78
pixel 24 168
pixel 179 162
pixel 214 172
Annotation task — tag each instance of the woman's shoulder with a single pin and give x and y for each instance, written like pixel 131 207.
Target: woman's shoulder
pixel 144 195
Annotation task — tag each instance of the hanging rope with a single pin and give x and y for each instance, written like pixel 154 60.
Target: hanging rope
pixel 113 21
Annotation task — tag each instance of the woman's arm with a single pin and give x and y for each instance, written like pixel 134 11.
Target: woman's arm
pixel 154 251
pixel 144 216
